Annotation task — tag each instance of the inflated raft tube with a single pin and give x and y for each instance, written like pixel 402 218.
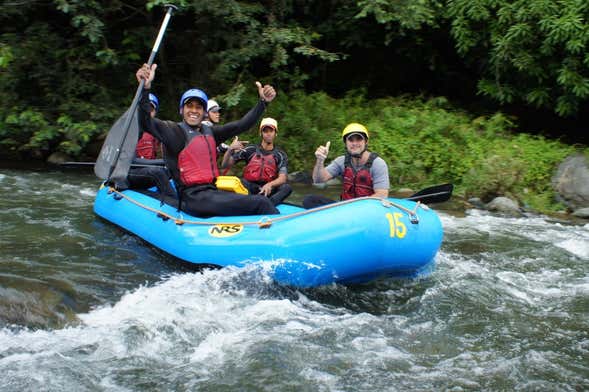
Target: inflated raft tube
pixel 354 241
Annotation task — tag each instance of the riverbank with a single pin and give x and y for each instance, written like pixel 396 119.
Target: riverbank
pixel 424 141
pixel 457 206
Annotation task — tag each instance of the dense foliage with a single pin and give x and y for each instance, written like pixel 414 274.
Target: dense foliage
pixel 528 51
pixel 425 142
pixel 67 72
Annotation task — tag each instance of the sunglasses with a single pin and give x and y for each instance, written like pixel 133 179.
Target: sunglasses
pixel 354 138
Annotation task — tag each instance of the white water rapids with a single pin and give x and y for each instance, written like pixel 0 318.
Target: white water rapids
pixel 87 307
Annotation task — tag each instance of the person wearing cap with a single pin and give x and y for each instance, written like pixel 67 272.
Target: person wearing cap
pixel 213 117
pixel 146 152
pixel 190 151
pixel 266 170
pixel 363 172
pixel 214 111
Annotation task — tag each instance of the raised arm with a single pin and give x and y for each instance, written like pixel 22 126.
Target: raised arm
pixel 161 130
pixel 320 173
pixel 228 160
pixel 224 132
pixel 146 73
pixel 236 145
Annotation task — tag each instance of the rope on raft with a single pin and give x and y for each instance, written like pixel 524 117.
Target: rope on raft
pixel 266 222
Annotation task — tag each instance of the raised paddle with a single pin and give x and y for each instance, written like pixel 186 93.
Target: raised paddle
pixel 118 149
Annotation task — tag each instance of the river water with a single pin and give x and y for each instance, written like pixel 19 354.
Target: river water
pixel 85 306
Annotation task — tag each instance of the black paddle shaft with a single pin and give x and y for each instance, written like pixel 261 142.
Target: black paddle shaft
pixel 135 163
pixel 433 194
pixel 133 107
pixel 430 195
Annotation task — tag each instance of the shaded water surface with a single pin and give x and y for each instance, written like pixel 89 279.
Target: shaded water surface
pixel 85 306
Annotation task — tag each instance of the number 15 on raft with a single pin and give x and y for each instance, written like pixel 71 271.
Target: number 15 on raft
pixel 396 226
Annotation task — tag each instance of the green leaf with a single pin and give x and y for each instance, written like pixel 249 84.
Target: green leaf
pixel 6 55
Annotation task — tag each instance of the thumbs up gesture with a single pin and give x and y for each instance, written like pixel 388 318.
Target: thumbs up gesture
pixel 322 152
pixel 267 92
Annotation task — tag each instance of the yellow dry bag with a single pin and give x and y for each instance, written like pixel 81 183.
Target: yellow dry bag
pixel 231 184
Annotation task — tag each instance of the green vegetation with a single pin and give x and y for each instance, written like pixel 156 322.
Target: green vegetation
pixel 528 51
pixel 67 72
pixel 426 142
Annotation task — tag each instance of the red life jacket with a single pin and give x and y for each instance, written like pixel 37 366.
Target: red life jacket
pixel 357 183
pixel 261 168
pixel 147 146
pixel 197 162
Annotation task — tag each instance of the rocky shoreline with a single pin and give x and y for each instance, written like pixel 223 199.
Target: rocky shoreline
pixel 570 182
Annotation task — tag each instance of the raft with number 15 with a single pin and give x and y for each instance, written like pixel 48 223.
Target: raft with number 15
pixel 348 242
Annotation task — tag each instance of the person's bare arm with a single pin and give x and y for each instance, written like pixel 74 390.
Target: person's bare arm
pixel 382 193
pixel 228 160
pixel 320 174
pixel 233 128
pixel 235 145
pixel 266 189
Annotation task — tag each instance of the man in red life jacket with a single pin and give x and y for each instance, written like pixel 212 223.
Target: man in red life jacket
pixel 267 165
pixel 190 151
pixel 146 152
pixel 363 172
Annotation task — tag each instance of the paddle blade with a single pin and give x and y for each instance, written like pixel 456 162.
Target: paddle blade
pixel 118 149
pixel 433 194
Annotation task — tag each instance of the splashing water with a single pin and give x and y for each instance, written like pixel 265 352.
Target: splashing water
pixel 85 306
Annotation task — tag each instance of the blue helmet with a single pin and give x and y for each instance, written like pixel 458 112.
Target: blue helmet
pixel 154 101
pixel 193 93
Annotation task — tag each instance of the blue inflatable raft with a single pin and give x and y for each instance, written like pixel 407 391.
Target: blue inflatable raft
pixel 347 242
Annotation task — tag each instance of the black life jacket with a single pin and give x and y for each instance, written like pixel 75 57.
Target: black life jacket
pixel 197 162
pixel 261 168
pixel 357 182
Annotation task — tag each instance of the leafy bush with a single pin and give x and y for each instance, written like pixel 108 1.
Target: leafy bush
pixel 425 142
pixel 17 131
pixel 76 134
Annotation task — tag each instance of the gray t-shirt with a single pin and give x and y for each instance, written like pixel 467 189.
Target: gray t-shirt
pixel 379 171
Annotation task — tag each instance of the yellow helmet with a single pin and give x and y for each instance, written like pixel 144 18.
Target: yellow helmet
pixel 354 128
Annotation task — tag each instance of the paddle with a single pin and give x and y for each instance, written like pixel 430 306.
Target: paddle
pixel 433 194
pixel 137 162
pixel 430 195
pixel 118 150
